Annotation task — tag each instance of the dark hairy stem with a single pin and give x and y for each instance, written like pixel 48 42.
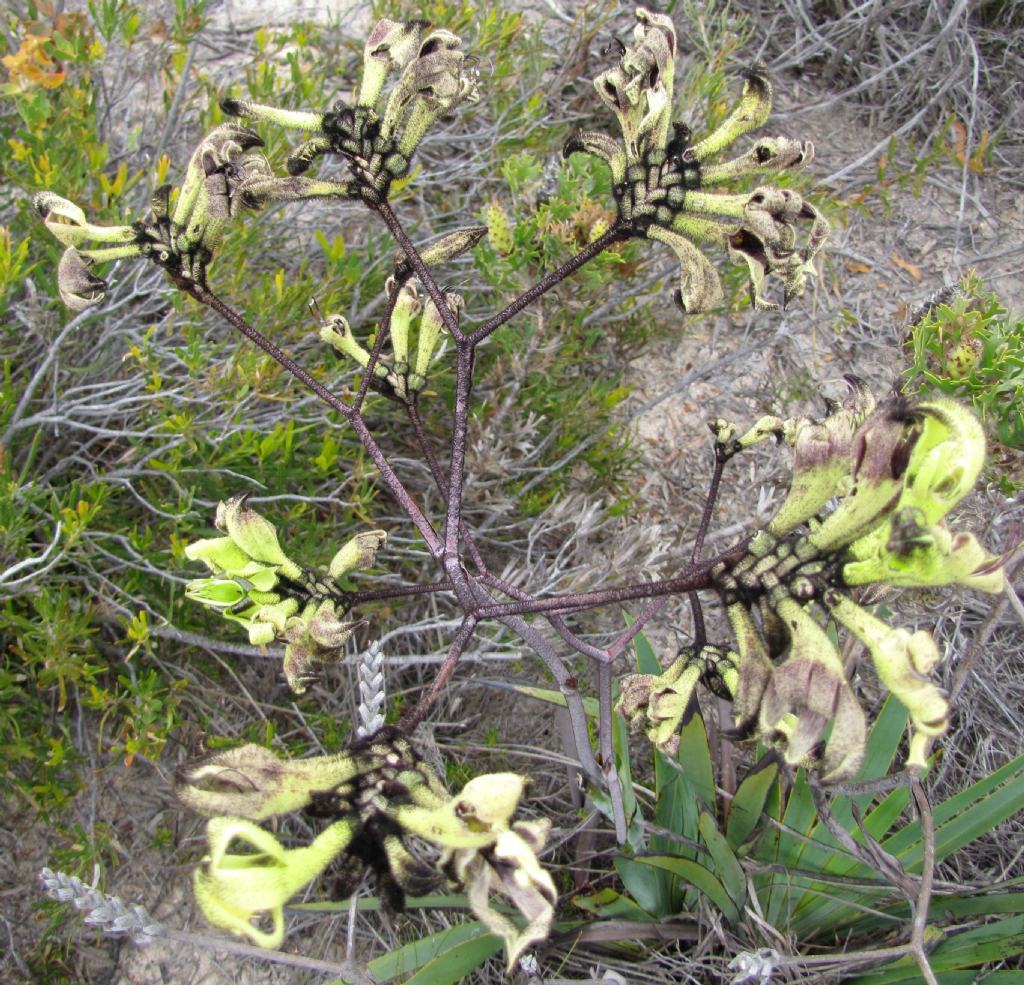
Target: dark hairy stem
pixel 455 650
pixel 421 269
pixel 400 591
pixel 694 578
pixel 457 466
pixel 485 576
pixel 616 234
pixel 204 296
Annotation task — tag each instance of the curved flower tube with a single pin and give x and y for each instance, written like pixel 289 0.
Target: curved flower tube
pixel 376 136
pixel 234 889
pixel 659 176
pixel 215 190
pixel 384 800
pixel 896 470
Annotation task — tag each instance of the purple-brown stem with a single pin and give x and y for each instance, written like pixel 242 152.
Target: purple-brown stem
pixel 421 269
pixel 204 296
pixel 492 581
pixel 400 591
pixel 616 234
pixel 457 460
pixel 422 709
pixel 694 578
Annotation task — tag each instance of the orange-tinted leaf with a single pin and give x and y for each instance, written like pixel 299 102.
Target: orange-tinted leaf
pixel 31 65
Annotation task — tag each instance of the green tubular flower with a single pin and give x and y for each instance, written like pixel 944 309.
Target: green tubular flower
pixel 385 802
pixel 223 168
pixel 750 113
pixel 67 222
pixel 404 372
pixel 430 331
pixel 232 889
pixel 905 552
pixel 946 460
pixel 470 820
pixel 639 89
pixel 811 685
pixel 390 47
pixel 903 661
pixel 256 585
pixel 442 250
pixel 769 155
pixel 253 783
pixel 224 557
pixel 407 307
pixel 335 331
pixel 254 535
pixel 822 453
pixel 882 447
pixel 659 703
pixel 432 85
pixel 699 285
pixel 487 853
pixel 511 869
pixel 216 593
pixel 377 135
pixel 659 173
pixel 755 666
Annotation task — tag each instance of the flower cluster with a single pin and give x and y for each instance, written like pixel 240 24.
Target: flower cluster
pixel 228 173
pixel 660 174
pixel 897 470
pixel 182 241
pixel 388 811
pixel 415 332
pixel 377 136
pixel 255 584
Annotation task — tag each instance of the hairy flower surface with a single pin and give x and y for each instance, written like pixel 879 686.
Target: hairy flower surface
pixel 661 175
pixel 256 585
pixel 895 470
pixel 415 333
pixel 182 240
pixel 384 803
pixel 378 135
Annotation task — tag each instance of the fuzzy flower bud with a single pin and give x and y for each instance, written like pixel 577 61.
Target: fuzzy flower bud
pixel 359 552
pixel 253 783
pixel 253 534
pixel 390 46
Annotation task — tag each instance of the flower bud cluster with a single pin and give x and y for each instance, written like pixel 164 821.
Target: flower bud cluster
pixel 228 172
pixel 660 174
pixel 385 806
pixel 182 240
pixel 416 331
pixel 380 132
pixel 895 470
pixel 255 584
